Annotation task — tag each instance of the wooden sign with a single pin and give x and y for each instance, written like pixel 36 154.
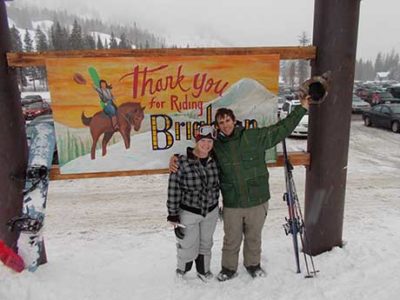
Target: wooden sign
pixel 116 114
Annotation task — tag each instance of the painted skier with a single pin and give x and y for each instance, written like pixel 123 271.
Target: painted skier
pixel 107 101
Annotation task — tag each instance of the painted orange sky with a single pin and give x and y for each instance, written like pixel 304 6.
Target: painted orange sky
pixel 69 99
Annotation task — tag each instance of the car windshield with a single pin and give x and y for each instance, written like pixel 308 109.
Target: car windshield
pixel 385 95
pixel 36 105
pixel 32 97
pixel 396 109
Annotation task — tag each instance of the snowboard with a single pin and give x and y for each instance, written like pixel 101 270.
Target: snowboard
pixel 94 76
pixel 96 81
pixel 30 243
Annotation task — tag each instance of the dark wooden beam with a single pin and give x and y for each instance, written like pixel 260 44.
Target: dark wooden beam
pixel 13 146
pixel 29 59
pixel 335 36
pixel 297 158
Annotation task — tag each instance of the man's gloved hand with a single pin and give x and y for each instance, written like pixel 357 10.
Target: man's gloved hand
pixel 178 227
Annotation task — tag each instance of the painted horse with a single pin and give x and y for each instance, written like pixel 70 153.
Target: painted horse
pixel 129 115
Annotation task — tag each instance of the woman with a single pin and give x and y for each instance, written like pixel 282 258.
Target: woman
pixel 107 101
pixel 192 203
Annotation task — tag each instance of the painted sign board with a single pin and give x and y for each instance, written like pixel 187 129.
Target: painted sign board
pixel 133 113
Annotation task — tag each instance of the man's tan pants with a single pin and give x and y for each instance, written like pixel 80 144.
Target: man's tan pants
pixel 239 223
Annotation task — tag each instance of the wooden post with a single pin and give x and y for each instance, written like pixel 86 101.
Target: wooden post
pixel 13 146
pixel 335 36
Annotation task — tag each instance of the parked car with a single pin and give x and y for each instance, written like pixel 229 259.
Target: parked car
pixel 359 105
pixel 281 101
pixel 361 92
pixel 301 129
pixel 34 109
pixel 383 115
pixel 394 90
pixel 29 132
pixel 28 99
pixel 376 97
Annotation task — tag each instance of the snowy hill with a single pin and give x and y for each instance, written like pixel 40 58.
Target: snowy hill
pixel 44 25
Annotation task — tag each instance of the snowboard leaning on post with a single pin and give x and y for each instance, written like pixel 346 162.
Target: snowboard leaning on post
pixel 30 224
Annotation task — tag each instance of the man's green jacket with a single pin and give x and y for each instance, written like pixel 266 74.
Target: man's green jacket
pixel 241 157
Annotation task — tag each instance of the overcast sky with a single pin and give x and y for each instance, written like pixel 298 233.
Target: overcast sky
pixel 238 23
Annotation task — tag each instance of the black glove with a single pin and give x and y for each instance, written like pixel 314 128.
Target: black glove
pixel 179 232
pixel 173 219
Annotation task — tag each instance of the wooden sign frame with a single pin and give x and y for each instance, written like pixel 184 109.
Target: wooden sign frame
pixel 30 59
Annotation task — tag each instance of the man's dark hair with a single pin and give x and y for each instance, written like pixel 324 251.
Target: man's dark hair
pixel 222 112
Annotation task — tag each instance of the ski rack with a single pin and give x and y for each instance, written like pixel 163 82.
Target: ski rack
pixel 295 222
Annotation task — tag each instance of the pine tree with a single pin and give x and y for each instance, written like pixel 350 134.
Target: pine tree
pixel 28 43
pixel 283 71
pixel 379 63
pixel 292 73
pixel 41 40
pixel 358 69
pixel 99 43
pixel 65 39
pixel 16 45
pixel 75 39
pixel 89 42
pixel 395 72
pixel 147 45
pixel 41 45
pixel 369 71
pixel 59 37
pixel 30 72
pixel 303 66
pixel 123 43
pixel 113 41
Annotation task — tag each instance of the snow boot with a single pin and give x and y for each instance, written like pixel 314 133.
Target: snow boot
pixel 206 276
pixel 180 273
pixel 256 271
pixel 226 274
pixel 200 267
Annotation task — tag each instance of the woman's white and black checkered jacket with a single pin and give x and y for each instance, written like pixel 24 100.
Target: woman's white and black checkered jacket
pixel 193 187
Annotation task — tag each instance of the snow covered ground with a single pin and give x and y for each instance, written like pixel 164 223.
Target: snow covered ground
pixel 108 239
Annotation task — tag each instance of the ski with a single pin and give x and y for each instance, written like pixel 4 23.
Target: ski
pixel 294 222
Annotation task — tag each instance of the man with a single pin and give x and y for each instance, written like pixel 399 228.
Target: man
pixel 244 184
